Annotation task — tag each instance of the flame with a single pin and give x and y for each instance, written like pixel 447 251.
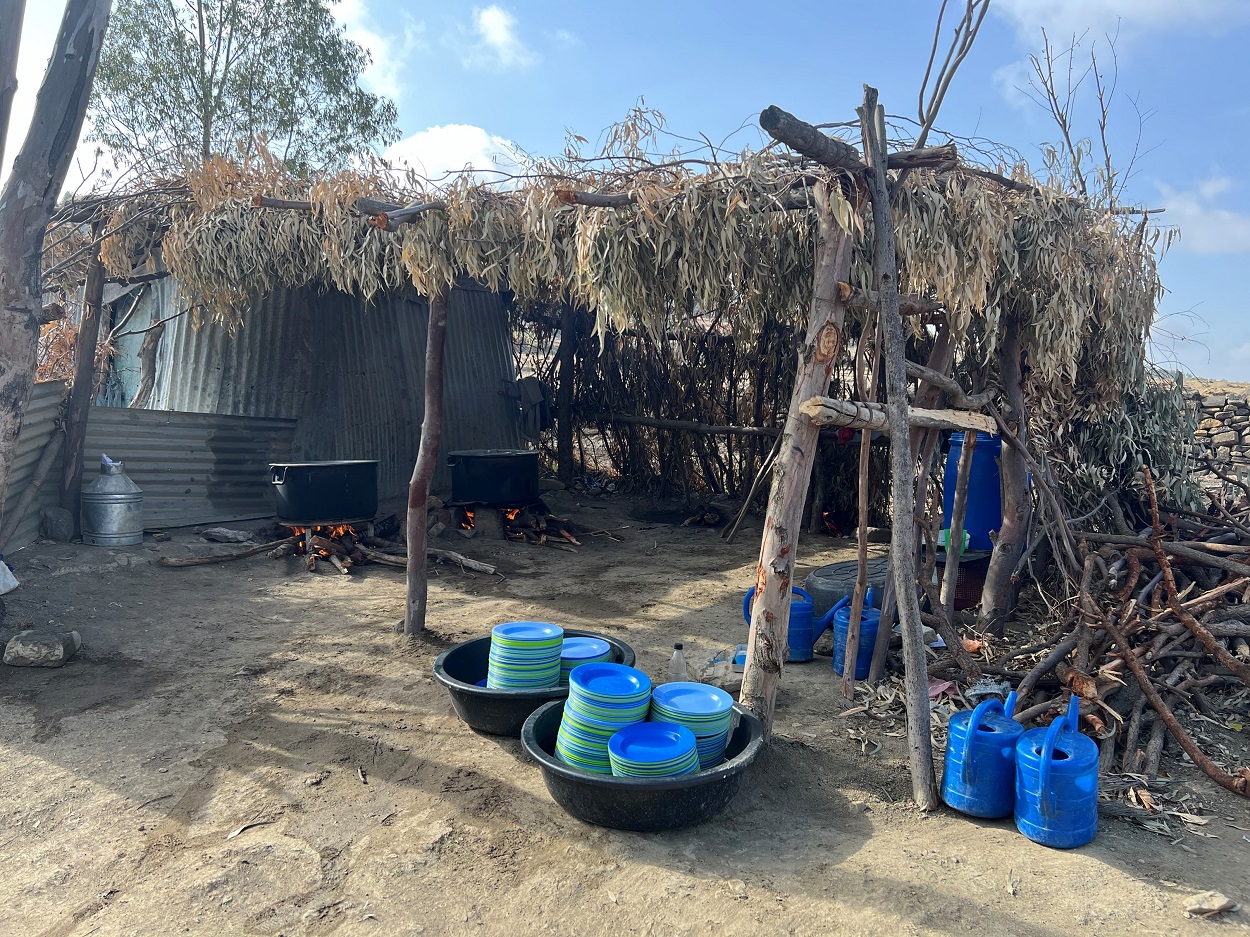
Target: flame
pixel 511 513
pixel 466 523
pixel 328 531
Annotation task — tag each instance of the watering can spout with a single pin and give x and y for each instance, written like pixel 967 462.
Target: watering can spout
pixel 1009 707
pixel 825 621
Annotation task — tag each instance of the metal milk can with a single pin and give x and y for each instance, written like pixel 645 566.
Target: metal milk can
pixel 112 508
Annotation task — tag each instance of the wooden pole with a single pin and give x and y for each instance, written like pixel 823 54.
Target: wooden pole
pixel 564 395
pixel 427 461
pixel 902 460
pixel 767 644
pixel 11 13
pixel 997 595
pixel 82 393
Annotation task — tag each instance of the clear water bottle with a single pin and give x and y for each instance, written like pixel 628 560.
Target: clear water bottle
pixel 677 665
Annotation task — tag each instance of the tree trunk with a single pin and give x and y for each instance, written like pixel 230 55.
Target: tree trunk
pixel 83 391
pixel 27 201
pixel 11 12
pixel 902 460
pixel 997 595
pixel 147 365
pixel 767 644
pixel 423 471
pixel 564 396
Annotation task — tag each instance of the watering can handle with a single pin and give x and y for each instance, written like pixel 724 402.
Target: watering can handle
pixel 974 723
pixel 1045 796
pixel 746 600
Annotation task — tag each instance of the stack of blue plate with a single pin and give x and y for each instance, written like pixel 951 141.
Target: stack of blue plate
pixel 524 655
pixel 653 750
pixel 603 699
pixel 578 651
pixel 707 711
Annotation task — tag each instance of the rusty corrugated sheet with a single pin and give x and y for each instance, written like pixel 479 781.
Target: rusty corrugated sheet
pixel 351 374
pixel 38 423
pixel 194 468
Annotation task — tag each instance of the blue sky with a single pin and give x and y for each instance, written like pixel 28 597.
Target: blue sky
pixel 470 78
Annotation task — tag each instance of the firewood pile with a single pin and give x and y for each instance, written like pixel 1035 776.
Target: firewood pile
pixel 1155 642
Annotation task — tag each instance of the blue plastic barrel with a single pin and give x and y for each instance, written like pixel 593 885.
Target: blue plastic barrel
pixel 985 499
pixel 804 628
pixel 980 774
pixel 1057 784
pixel 869 621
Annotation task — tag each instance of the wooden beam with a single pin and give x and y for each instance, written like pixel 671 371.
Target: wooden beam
pixel 808 141
pixel 564 393
pixel 825 411
pixel 83 391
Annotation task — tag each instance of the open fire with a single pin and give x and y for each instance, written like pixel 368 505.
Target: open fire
pixel 532 523
pixel 338 544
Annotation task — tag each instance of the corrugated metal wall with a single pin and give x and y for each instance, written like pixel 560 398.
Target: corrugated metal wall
pixel 194 468
pixel 38 424
pixel 352 375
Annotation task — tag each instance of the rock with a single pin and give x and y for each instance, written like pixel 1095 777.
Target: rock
pixel 1 610
pixel 226 535
pixel 436 530
pixel 434 504
pixel 1214 402
pixel 57 524
pixel 1208 904
pixel 467 534
pixel 879 534
pixel 1228 438
pixel 550 484
pixel 1209 424
pixel 41 648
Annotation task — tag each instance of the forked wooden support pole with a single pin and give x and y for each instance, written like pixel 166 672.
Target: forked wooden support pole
pixel 767 644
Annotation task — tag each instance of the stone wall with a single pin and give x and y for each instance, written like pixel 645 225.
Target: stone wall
pixel 1223 430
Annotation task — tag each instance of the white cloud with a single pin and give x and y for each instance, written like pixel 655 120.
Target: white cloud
pixel 435 152
pixel 1012 81
pixel 563 37
pixel 494 42
pixel 1206 226
pixel 390 50
pixel 1063 18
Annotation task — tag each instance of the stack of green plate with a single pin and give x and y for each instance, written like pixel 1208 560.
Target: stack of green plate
pixel 707 711
pixel 524 655
pixel 603 699
pixel 578 651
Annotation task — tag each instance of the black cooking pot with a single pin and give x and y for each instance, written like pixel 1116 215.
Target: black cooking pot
pixel 506 477
pixel 325 492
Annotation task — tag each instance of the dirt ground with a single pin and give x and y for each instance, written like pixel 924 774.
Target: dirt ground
pixel 254 696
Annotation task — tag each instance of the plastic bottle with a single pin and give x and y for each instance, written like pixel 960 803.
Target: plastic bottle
pixel 677 665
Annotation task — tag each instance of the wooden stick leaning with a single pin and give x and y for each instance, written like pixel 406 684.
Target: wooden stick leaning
pixel 955 539
pixel 850 657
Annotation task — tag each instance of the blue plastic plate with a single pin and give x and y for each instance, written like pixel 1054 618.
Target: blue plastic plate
pixel 527 631
pixel 695 699
pixel 584 648
pixel 651 743
pixel 610 681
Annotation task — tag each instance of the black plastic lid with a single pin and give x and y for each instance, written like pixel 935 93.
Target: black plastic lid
pixel 678 646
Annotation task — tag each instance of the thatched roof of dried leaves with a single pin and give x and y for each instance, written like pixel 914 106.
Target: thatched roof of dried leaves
pixel 699 235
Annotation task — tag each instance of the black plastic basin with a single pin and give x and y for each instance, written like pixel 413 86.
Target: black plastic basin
pixel 647 805
pixel 501 712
